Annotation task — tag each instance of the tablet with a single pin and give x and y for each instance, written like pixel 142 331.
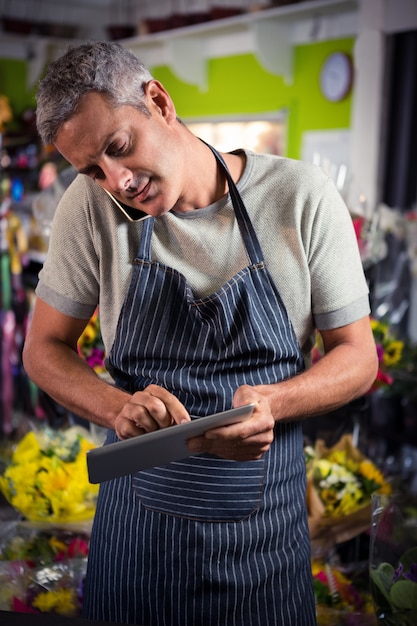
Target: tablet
pixel 156 448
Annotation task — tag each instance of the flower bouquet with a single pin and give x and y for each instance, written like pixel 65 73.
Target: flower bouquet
pixel 341 599
pixel 46 479
pixel 340 483
pixel 42 570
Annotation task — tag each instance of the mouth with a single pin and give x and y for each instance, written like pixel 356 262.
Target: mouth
pixel 142 194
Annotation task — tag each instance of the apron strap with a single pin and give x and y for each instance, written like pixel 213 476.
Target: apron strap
pixel 247 231
pixel 144 250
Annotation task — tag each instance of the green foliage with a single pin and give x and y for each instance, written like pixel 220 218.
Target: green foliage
pixel 394 591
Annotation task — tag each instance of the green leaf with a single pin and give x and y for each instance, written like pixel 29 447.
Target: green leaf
pixel 380 584
pixel 404 596
pixel 321 592
pixel 409 558
pixel 387 570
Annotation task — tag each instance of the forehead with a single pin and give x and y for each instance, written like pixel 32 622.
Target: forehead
pixel 93 125
pixel 95 111
pixel 94 101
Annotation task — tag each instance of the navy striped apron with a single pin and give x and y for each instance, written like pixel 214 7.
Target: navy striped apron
pixel 205 541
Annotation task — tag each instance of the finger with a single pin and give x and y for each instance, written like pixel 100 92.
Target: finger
pixel 246 394
pixel 227 450
pixel 248 449
pixel 139 415
pixel 125 428
pixel 258 427
pixel 149 410
pixel 154 408
pixel 171 405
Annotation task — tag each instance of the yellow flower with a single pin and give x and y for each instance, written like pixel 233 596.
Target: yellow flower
pixel 89 334
pixel 389 350
pixel 53 481
pixel 340 457
pixel 343 478
pixel 31 506
pixel 27 449
pixel 352 499
pixel 329 498
pixel 380 329
pixel 57 545
pixel 393 353
pixel 47 478
pixel 90 345
pixel 86 445
pixel 369 471
pixel 62 601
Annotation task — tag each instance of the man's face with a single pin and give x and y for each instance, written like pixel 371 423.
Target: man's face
pixel 130 155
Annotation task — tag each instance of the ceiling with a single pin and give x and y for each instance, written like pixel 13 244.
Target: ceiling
pixel 83 19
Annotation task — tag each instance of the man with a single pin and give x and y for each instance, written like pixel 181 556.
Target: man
pixel 211 302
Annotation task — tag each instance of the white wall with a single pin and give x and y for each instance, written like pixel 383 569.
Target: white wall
pixel 376 20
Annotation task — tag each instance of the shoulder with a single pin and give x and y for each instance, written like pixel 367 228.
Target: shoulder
pixel 286 185
pixel 85 207
pixel 85 192
pixel 284 169
pixel 287 191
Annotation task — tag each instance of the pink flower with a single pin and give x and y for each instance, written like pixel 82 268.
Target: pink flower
pixel 77 548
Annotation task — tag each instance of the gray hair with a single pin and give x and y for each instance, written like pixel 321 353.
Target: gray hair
pixel 103 67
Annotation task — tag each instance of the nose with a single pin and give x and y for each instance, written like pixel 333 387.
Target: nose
pixel 117 176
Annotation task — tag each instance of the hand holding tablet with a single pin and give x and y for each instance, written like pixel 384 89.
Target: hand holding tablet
pixel 156 448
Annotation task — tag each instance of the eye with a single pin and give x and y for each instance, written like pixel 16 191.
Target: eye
pixel 116 150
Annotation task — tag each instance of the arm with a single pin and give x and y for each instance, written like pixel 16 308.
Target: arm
pixel 346 372
pixel 51 360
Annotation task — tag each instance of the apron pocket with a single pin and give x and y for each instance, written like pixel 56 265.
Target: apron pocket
pixel 202 488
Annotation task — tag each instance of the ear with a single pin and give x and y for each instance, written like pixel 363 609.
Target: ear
pixel 159 100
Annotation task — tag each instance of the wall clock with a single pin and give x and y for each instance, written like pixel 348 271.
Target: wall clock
pixel 336 76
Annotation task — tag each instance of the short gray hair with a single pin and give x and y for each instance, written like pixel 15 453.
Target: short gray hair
pixel 103 67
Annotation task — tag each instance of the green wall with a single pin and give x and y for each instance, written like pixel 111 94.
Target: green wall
pixel 236 85
pixel 13 84
pixel 239 84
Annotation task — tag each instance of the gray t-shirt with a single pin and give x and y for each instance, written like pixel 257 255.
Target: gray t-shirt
pixel 303 226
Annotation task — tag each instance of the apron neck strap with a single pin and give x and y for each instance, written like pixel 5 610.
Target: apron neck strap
pixel 247 231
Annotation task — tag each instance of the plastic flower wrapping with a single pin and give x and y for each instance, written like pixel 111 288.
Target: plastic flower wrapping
pixel 47 479
pixel 342 598
pixel 42 569
pixel 395 589
pixel 393 559
pixel 340 483
pixel 90 345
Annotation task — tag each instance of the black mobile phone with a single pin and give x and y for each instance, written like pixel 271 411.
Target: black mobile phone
pixel 133 215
